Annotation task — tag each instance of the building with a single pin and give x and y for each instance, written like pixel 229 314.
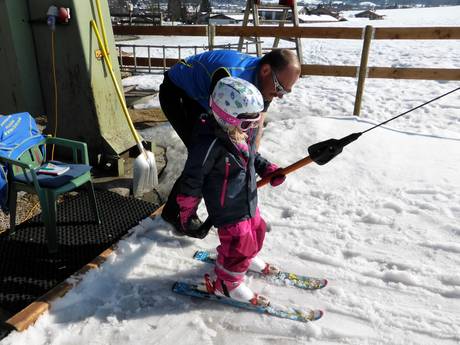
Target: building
pixel 322 10
pixel 221 18
pixel 313 18
pixel 369 14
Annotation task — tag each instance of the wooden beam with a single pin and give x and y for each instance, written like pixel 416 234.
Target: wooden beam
pixel 409 33
pixel 32 312
pixel 179 30
pixel 428 33
pixel 232 30
pixel 303 32
pixel 144 61
pixel 383 72
pixel 414 73
pixel 339 71
pixel 26 317
pixel 330 70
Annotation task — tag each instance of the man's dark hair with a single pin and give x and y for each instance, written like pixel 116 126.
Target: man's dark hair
pixel 278 59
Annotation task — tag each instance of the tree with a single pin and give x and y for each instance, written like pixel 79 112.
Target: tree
pixel 174 9
pixel 205 6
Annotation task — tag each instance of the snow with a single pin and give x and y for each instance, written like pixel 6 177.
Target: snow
pixel 380 221
pixel 144 82
pixel 367 4
pixel 316 18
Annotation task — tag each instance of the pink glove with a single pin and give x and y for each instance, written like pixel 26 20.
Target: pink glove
pixel 276 179
pixel 187 209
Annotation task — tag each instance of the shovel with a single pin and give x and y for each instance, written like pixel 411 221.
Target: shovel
pixel 145 173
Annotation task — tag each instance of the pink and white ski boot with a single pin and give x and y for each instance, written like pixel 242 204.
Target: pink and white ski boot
pixel 237 291
pixel 259 265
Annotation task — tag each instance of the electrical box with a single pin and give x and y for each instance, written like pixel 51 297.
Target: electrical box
pixel 20 88
pixel 87 105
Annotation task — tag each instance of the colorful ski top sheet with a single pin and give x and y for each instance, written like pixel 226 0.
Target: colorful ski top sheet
pixel 287 278
pixel 199 290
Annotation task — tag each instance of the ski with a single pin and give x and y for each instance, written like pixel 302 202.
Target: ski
pixel 199 290
pixel 287 278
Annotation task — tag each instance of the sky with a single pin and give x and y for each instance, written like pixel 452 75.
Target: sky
pixel 381 221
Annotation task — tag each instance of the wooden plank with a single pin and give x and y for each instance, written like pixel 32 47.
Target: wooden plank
pixel 405 33
pixel 245 23
pixel 178 30
pixel 157 212
pixel 273 7
pixel 343 71
pixel 414 73
pixel 428 33
pixel 128 88
pixel 32 312
pixel 26 317
pixel 303 32
pixel 330 70
pixel 144 61
pixel 383 72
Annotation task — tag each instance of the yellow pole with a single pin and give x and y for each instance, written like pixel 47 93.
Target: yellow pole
pixel 101 20
pixel 115 83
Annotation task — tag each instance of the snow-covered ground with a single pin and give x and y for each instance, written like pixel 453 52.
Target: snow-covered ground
pixel 381 222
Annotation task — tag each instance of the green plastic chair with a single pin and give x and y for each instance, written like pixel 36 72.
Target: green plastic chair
pixel 23 176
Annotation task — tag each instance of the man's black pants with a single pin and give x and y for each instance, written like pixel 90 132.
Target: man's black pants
pixel 183 113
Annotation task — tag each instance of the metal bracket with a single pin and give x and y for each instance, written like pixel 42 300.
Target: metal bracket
pixel 98 54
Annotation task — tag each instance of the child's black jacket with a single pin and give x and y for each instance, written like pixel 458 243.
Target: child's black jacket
pixel 216 169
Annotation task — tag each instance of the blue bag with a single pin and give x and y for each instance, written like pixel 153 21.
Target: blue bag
pixel 18 132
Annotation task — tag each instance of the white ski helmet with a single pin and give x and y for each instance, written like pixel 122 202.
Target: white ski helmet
pixel 236 102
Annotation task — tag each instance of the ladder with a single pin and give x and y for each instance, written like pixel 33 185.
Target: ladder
pixel 253 7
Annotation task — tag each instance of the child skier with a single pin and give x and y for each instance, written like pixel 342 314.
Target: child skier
pixel 222 166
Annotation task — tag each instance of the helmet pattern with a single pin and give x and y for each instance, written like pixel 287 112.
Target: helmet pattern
pixel 234 96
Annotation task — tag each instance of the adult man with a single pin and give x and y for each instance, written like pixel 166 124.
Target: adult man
pixel 187 86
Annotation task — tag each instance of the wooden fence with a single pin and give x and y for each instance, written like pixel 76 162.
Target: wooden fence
pixel 366 34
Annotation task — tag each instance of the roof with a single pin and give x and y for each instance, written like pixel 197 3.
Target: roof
pixel 368 13
pixel 305 18
pixel 233 16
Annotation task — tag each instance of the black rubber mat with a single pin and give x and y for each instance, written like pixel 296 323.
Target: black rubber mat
pixel 27 270
pixel 4 333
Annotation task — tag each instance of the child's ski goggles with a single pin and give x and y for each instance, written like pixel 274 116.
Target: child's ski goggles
pixel 242 121
pixel 248 121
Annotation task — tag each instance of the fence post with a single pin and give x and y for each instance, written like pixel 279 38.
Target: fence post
pixel 135 58
pixel 368 33
pixel 150 62
pixel 164 59
pixel 120 54
pixel 211 35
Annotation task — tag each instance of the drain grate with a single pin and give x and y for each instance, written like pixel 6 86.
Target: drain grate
pixel 28 271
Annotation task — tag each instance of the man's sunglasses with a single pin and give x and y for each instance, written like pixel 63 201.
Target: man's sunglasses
pixel 280 90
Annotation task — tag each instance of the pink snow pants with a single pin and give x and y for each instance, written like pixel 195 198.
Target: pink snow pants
pixel 239 243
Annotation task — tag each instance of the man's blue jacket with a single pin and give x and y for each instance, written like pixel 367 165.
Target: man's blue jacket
pixel 195 74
